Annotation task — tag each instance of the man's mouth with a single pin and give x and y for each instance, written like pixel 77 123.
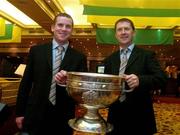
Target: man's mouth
pixel 124 37
pixel 62 34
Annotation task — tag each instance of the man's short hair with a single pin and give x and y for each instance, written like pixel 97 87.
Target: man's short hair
pixel 124 20
pixel 63 15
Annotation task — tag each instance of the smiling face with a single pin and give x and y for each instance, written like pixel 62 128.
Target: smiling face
pixel 62 29
pixel 124 33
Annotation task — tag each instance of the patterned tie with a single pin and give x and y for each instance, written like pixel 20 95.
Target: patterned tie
pixel 56 65
pixel 124 60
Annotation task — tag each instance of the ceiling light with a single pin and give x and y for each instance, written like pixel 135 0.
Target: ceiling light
pixel 11 12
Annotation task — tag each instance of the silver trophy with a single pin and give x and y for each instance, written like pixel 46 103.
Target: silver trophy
pixel 93 91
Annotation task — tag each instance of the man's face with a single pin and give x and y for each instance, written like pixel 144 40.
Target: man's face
pixel 124 33
pixel 62 29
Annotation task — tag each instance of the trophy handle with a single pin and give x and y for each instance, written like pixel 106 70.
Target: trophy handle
pixel 62 85
pixel 130 90
pixel 124 89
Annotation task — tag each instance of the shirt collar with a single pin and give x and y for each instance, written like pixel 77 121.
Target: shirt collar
pixel 130 47
pixel 55 44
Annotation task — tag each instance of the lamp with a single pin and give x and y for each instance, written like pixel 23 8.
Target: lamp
pixel 20 69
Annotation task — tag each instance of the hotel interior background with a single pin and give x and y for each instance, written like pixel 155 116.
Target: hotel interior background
pixel 25 23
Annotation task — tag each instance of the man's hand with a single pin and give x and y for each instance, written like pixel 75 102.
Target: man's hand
pixel 61 77
pixel 132 80
pixel 19 122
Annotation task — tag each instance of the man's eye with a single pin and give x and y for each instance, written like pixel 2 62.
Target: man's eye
pixel 119 29
pixel 68 26
pixel 60 25
pixel 127 29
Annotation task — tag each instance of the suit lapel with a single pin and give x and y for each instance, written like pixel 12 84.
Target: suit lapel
pixel 134 55
pixel 49 55
pixel 67 57
pixel 116 63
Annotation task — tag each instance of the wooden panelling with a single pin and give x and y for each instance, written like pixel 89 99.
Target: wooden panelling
pixel 167 54
pixel 9 88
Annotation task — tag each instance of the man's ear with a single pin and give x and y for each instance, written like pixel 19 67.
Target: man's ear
pixel 115 35
pixel 52 27
pixel 134 33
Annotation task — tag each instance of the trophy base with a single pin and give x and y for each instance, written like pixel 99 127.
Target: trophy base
pixel 90 126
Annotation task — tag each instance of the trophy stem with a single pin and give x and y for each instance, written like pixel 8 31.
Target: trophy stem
pixel 92 113
pixel 91 122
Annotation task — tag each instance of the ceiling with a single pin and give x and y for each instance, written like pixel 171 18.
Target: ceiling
pixel 44 11
pixel 88 14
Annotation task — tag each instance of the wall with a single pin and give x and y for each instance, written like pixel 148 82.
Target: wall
pixel 167 55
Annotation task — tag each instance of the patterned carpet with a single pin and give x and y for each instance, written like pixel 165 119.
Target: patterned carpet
pixel 167 112
pixel 168 118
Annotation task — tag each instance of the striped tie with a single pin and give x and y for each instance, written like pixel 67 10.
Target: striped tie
pixel 124 60
pixel 56 65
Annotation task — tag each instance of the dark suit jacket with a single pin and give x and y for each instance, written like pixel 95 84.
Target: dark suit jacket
pixel 34 89
pixel 135 115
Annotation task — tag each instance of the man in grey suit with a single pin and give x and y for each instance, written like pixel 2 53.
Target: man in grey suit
pixel 36 115
pixel 133 113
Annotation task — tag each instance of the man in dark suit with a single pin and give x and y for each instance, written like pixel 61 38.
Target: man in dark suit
pixel 133 112
pixel 36 115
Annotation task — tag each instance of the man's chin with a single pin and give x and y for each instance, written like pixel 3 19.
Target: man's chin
pixel 62 41
pixel 125 43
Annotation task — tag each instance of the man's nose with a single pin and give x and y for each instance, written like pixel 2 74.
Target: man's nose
pixel 64 27
pixel 123 30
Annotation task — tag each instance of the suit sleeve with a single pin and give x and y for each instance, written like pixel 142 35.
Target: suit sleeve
pixel 83 64
pixel 155 77
pixel 25 87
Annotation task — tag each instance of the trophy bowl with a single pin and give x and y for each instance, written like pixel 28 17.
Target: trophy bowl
pixel 93 91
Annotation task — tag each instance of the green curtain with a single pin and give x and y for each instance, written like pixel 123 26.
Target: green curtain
pixel 114 11
pixel 8 32
pixel 142 37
